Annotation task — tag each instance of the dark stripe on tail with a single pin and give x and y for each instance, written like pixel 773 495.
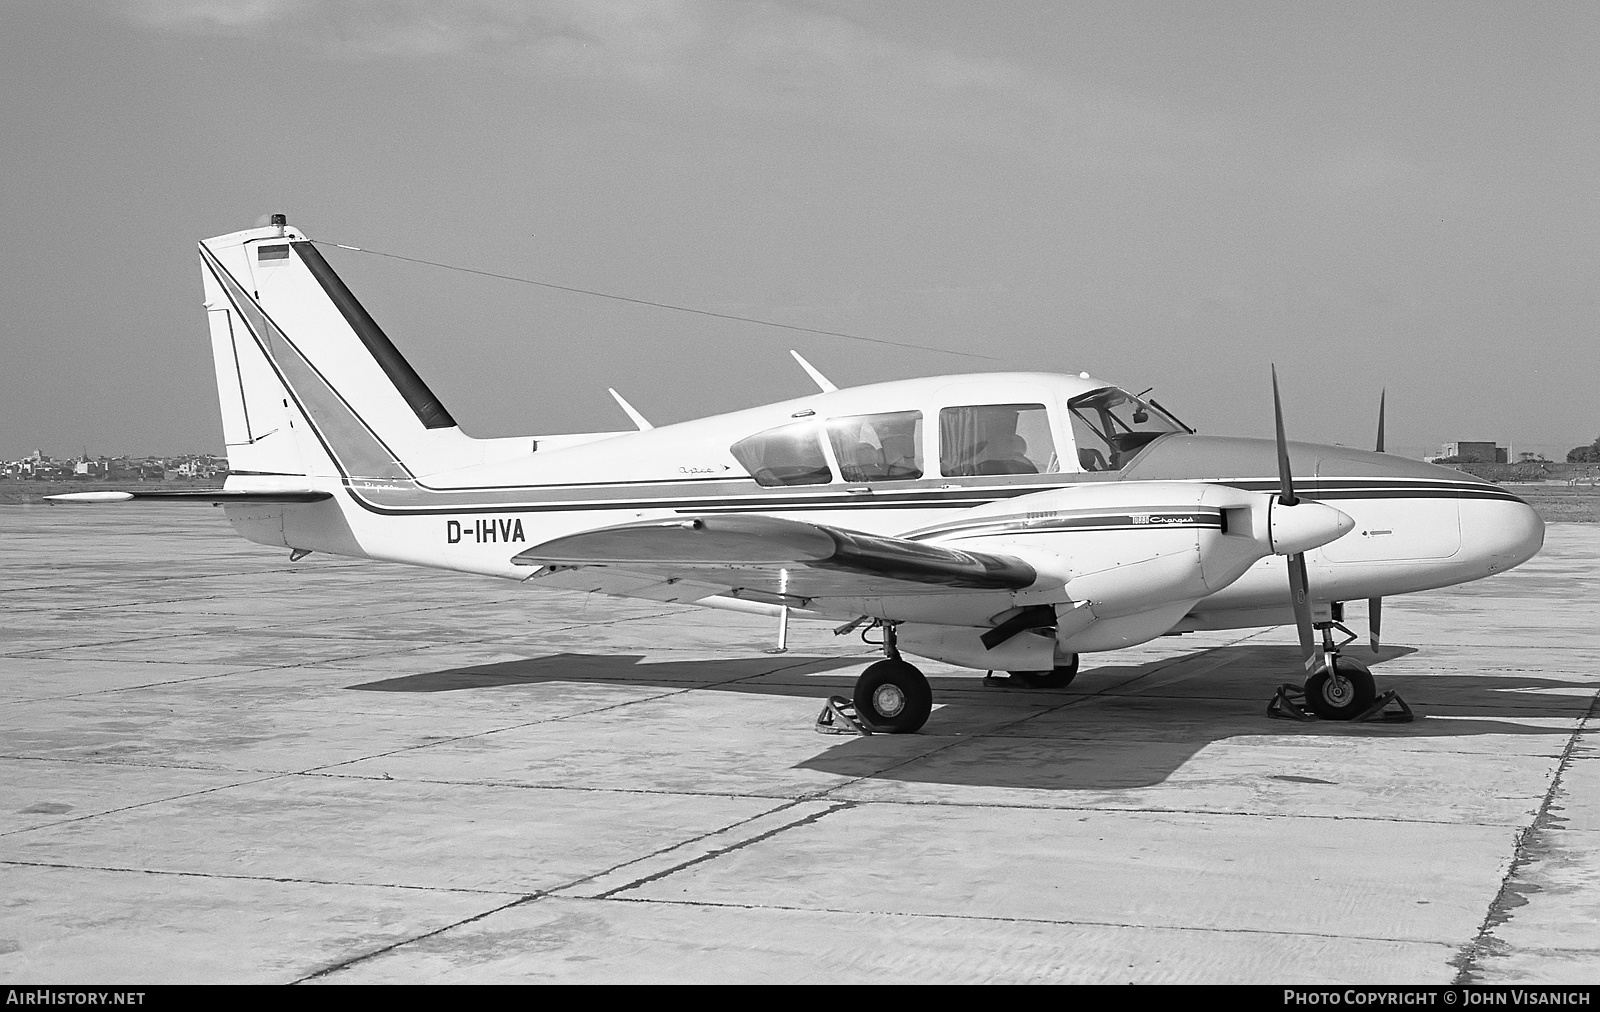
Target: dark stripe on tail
pixel 429 409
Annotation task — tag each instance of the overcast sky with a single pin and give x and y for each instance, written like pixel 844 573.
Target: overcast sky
pixel 1169 195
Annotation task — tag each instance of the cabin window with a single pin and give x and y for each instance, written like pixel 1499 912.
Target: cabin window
pixel 884 447
pixel 788 455
pixel 1111 426
pixel 996 439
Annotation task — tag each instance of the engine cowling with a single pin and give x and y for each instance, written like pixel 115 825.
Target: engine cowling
pixel 1121 562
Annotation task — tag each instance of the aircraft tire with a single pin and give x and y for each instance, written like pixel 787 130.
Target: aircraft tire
pixel 1058 677
pixel 1332 701
pixel 893 697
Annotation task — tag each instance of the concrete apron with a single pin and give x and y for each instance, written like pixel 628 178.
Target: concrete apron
pixel 219 766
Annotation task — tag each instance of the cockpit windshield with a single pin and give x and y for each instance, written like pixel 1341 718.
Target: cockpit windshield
pixel 1110 426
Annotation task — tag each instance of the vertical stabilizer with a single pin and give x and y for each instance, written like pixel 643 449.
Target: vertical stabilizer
pixel 309 383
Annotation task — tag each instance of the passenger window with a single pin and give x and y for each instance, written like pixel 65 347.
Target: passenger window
pixel 996 439
pixel 789 455
pixel 886 447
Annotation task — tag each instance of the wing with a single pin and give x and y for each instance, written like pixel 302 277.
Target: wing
pixel 203 496
pixel 764 559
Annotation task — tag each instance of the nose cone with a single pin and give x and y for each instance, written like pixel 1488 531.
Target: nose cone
pixel 1500 533
pixel 1306 525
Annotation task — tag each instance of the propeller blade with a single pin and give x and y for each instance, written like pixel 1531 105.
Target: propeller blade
pixel 1375 604
pixel 1284 478
pixel 1300 587
pixel 1299 584
pixel 1382 396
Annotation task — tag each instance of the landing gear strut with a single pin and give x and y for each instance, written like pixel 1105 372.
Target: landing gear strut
pixel 1340 689
pixel 890 697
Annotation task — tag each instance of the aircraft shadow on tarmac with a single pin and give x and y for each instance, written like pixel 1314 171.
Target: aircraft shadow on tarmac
pixel 731 675
pixel 1117 727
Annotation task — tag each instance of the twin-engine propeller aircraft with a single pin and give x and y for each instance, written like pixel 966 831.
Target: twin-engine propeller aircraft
pixel 1000 521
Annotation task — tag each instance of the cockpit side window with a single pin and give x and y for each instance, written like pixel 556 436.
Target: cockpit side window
pixel 882 447
pixel 1110 426
pixel 788 455
pixel 996 439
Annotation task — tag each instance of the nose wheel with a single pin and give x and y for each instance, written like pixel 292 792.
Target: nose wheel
pixel 1342 690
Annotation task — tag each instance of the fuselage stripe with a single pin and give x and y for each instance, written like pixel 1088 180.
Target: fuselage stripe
pixel 937 498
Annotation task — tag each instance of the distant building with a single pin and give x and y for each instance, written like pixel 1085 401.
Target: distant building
pixel 39 466
pixel 202 465
pixel 1467 452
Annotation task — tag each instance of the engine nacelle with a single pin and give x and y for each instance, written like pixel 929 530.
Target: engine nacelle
pixel 1123 546
pixel 1123 562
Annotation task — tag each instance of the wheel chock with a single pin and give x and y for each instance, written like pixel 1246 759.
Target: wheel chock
pixel 1286 703
pixel 838 716
pixel 1379 712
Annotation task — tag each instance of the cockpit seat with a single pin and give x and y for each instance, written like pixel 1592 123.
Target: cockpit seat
pixel 864 463
pixel 1007 467
pixel 900 457
pixel 1007 455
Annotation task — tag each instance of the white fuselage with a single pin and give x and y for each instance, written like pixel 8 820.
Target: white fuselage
pixel 1133 525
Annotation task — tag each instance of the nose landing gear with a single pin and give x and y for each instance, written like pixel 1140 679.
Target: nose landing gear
pixel 1340 689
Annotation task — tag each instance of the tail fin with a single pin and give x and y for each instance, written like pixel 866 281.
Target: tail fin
pixel 308 381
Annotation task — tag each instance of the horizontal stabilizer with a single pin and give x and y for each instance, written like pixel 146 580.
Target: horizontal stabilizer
pixel 202 496
pixel 781 558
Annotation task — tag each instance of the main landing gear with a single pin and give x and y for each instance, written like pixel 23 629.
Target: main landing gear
pixel 890 697
pixel 1339 689
pixel 1058 677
